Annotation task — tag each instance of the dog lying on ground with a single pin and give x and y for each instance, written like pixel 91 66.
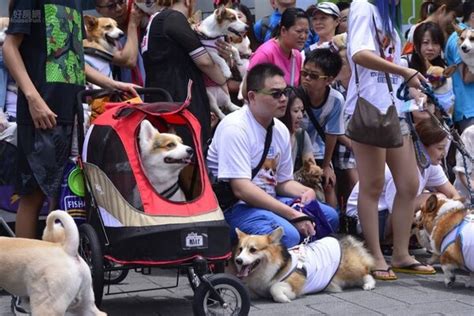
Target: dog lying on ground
pixel 449 226
pixel 222 22
pixel 270 270
pixel 466 47
pixel 49 271
pixel 163 157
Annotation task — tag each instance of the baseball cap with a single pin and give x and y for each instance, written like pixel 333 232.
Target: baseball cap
pixel 327 8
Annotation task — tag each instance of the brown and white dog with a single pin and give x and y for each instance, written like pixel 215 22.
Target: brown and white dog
pixel 49 271
pixel 442 84
pixel 450 227
pixel 163 157
pixel 101 43
pixel 466 46
pixel 271 270
pixel 311 175
pixel 222 22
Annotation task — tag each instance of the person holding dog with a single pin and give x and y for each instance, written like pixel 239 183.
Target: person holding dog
pixel 260 176
pixel 367 20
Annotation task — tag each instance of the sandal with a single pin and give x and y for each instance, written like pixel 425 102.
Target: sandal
pixel 384 274
pixel 413 269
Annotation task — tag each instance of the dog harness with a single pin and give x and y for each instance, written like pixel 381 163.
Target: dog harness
pixel 319 259
pixel 99 60
pixel 465 231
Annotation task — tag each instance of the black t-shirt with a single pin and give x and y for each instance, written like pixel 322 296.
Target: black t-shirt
pixel 52 53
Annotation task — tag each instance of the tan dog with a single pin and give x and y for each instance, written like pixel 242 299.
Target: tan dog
pixel 466 46
pixel 102 33
pixel 311 175
pixel 270 270
pixel 49 271
pixel 450 226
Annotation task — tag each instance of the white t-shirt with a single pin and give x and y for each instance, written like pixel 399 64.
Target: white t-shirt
pixel 433 176
pixel 237 148
pixel 361 36
pixel 467 138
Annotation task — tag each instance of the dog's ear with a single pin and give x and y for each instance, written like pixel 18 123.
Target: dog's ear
pixel 431 204
pixel 147 131
pixel 276 235
pixel 449 71
pixel 220 13
pixel 240 234
pixel 90 22
pixel 457 29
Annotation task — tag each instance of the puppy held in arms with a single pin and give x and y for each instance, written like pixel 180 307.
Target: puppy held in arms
pixel 221 23
pixel 49 271
pixel 271 270
pixel 163 157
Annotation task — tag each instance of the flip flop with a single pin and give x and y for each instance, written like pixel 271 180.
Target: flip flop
pixel 412 269
pixel 386 277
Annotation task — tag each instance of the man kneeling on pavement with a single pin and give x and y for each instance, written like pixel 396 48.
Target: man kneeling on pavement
pixel 261 177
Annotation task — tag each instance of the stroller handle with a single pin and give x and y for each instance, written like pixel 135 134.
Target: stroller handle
pixel 103 92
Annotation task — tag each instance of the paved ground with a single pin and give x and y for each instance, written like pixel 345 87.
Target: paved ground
pixel 410 295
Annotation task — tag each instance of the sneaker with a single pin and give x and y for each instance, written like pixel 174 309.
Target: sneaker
pixel 20 305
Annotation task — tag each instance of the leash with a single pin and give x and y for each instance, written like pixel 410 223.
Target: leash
pixel 446 124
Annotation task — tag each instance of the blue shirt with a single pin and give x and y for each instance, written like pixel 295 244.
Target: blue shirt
pixel 331 119
pixel 463 92
pixel 273 21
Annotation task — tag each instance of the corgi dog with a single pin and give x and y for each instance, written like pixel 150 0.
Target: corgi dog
pixel 221 23
pixel 163 157
pixel 49 271
pixel 466 46
pixel 450 228
pixel 270 270
pixel 442 84
pixel 101 43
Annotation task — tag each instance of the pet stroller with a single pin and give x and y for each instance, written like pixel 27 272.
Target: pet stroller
pixel 130 226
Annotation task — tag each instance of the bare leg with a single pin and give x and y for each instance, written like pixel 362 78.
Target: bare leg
pixel 402 164
pixel 27 214
pixel 371 168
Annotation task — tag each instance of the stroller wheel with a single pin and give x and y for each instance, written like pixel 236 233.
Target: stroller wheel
pixel 221 294
pixel 91 252
pixel 113 276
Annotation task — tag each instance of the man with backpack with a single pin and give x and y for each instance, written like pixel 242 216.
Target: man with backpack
pixel 263 28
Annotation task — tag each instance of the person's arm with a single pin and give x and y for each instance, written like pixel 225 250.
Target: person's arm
pixel 448 190
pixel 328 172
pixel 41 114
pixel 103 81
pixel 127 57
pixel 346 141
pixel 293 188
pixel 247 191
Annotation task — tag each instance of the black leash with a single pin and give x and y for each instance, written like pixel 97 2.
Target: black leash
pixel 446 124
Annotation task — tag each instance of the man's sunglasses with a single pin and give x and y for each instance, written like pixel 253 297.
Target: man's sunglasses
pixel 312 75
pixel 111 5
pixel 276 93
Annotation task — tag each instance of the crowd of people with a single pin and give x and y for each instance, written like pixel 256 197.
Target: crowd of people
pixel 309 69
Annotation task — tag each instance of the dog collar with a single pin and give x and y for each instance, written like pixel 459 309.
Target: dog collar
pixel 168 193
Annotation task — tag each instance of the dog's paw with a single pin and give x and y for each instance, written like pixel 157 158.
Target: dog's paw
pixel 449 281
pixel 281 298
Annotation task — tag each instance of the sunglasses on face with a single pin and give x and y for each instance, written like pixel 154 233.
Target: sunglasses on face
pixel 440 79
pixel 312 75
pixel 111 5
pixel 276 93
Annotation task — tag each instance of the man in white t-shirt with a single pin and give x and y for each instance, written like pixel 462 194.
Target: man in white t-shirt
pixel 237 148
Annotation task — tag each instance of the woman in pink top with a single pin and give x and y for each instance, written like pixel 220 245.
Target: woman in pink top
pixel 284 48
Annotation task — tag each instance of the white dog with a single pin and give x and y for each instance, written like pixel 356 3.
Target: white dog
pixel 49 271
pixel 163 157
pixel 466 47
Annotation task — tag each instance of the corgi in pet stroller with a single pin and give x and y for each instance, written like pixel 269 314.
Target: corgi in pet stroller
pixel 134 226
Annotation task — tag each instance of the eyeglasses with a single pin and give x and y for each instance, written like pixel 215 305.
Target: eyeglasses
pixel 276 93
pixel 312 75
pixel 111 5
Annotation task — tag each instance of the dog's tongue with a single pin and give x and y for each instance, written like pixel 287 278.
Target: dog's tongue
pixel 244 271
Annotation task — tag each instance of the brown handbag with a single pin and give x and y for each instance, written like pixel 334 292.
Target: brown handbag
pixel 368 125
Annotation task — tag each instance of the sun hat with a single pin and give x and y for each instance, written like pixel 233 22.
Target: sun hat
pixel 327 8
